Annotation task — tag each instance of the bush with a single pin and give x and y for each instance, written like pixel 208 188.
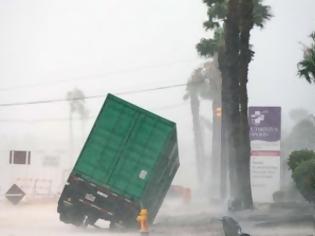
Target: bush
pixel 297 157
pixel 304 177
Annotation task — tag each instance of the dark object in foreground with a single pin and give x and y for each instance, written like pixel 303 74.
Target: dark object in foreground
pixel 127 163
pixel 231 227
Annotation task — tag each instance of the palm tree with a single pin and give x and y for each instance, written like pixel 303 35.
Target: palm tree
pixel 232 21
pixel 214 77
pixel 194 86
pixel 205 83
pixel 306 67
pixel 246 23
pixel 230 84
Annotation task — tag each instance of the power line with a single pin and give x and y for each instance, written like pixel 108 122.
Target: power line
pixel 151 89
pixel 96 77
pixel 91 117
pixel 89 97
pixel 46 101
pixel 44 120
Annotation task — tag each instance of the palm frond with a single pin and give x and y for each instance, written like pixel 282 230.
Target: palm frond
pixel 306 67
pixel 208 47
pixel 261 13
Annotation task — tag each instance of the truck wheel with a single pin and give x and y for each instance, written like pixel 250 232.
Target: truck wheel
pixel 85 222
pixel 77 220
pixel 64 218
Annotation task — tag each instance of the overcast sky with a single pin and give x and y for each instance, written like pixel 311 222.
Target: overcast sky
pixel 116 45
pixel 278 48
pixel 50 47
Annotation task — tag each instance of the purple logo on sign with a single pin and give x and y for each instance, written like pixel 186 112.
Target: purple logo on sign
pixel 265 123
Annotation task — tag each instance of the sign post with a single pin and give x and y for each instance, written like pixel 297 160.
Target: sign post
pixel 265 135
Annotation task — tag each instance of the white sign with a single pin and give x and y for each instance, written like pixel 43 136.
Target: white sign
pixel 265 134
pixel 265 177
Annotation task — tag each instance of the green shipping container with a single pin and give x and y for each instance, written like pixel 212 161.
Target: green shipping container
pixel 128 162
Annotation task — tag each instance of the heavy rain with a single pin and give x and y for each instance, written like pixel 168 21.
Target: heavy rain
pixel 157 117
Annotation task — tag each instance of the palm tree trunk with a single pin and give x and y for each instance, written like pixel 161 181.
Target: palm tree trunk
pixel 246 24
pixel 216 142
pixel 232 113
pixel 224 124
pixel 199 145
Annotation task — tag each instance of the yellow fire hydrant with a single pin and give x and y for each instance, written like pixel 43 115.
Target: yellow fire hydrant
pixel 142 219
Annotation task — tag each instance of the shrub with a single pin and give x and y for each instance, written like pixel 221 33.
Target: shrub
pixel 304 177
pixel 297 157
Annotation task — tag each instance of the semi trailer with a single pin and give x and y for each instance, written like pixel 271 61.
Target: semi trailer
pixel 127 163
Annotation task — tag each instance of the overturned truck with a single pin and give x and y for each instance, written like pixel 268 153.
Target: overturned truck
pixel 127 163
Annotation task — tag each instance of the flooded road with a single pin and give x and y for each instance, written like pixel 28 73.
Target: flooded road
pixel 41 219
